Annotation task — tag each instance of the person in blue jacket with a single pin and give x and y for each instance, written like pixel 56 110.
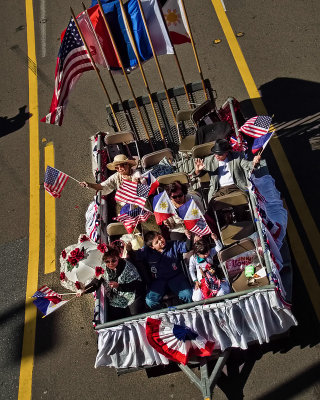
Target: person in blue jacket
pixel 164 261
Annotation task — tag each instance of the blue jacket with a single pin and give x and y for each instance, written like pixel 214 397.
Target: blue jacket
pixel 167 264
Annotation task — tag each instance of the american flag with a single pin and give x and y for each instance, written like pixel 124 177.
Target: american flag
pixel 54 181
pixel 131 217
pixel 256 126
pixel 47 300
pixel 201 228
pixel 132 193
pixel 238 147
pixel 72 61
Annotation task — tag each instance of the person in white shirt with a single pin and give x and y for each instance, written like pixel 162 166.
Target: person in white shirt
pixel 226 169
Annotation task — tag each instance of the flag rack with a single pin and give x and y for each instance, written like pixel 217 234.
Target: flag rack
pixel 178 101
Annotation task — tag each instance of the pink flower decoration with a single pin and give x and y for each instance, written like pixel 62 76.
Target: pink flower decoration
pixel 99 271
pixel 78 285
pixel 63 254
pixel 102 247
pixel 84 238
pixel 62 276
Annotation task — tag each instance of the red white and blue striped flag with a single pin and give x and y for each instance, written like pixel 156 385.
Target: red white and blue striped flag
pixel 47 300
pixel 132 193
pixel 54 181
pixel 256 126
pixel 72 61
pixel 131 217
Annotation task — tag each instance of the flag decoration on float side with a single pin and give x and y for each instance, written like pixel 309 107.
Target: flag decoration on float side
pixel 132 193
pixel 162 207
pixel 131 217
pixel 193 219
pixel 54 181
pixel 256 126
pixel 243 146
pixel 176 22
pixel 47 300
pixel 176 342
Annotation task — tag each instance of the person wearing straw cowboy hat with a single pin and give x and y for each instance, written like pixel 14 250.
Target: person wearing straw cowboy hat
pixel 124 167
pixel 226 169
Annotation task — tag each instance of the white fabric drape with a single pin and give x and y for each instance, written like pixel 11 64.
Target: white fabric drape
pixel 255 316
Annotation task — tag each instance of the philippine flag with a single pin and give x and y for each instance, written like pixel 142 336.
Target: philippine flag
pixel 176 342
pixel 176 22
pixel 261 142
pixel 151 182
pixel 162 207
pixel 47 300
pixel 193 218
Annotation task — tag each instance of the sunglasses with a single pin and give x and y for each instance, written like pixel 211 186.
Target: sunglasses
pixel 121 165
pixel 177 196
pixel 112 260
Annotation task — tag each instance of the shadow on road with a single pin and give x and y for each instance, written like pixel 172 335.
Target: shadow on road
pixel 13 318
pixel 9 125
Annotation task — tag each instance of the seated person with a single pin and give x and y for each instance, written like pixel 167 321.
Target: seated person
pixel 124 289
pixel 178 194
pixel 226 169
pixel 207 283
pixel 164 260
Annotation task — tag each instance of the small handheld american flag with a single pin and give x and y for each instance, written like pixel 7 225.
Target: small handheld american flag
pixel 130 217
pixel 256 126
pixel 132 193
pixel 54 181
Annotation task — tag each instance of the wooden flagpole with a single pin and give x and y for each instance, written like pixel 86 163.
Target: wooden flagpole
pixel 125 74
pixel 158 65
pixel 109 70
pixel 95 68
pixel 141 68
pixel 194 50
pixel 176 59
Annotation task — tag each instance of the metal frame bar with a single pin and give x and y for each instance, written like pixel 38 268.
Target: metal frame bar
pixel 183 306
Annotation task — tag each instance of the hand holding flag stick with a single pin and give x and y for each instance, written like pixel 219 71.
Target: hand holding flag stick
pixel 55 180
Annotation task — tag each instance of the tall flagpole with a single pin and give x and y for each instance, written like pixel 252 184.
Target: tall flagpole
pixel 158 65
pixel 95 68
pixel 141 68
pixel 194 50
pixel 176 58
pixel 109 70
pixel 125 74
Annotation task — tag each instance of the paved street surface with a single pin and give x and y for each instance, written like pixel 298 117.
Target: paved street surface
pixel 280 43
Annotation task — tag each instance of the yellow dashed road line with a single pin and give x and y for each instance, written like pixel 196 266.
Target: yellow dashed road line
pixel 50 218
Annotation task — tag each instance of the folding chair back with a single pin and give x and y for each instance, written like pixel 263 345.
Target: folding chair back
pixel 119 137
pixel 230 200
pixel 202 150
pixel 202 111
pixel 116 229
pixel 149 160
pixel 176 176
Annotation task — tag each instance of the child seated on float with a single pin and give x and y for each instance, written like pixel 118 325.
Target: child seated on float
pixel 164 260
pixel 207 278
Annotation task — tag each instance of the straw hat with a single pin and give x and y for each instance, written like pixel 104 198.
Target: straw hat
pixel 120 159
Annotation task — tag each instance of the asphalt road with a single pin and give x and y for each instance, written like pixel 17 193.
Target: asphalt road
pixel 280 44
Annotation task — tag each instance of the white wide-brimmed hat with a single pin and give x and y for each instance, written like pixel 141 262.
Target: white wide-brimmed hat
pixel 120 159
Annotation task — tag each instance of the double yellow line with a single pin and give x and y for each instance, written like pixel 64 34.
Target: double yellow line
pixel 296 195
pixel 27 357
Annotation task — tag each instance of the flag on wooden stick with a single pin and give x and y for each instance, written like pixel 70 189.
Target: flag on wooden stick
pixel 47 300
pixel 54 181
